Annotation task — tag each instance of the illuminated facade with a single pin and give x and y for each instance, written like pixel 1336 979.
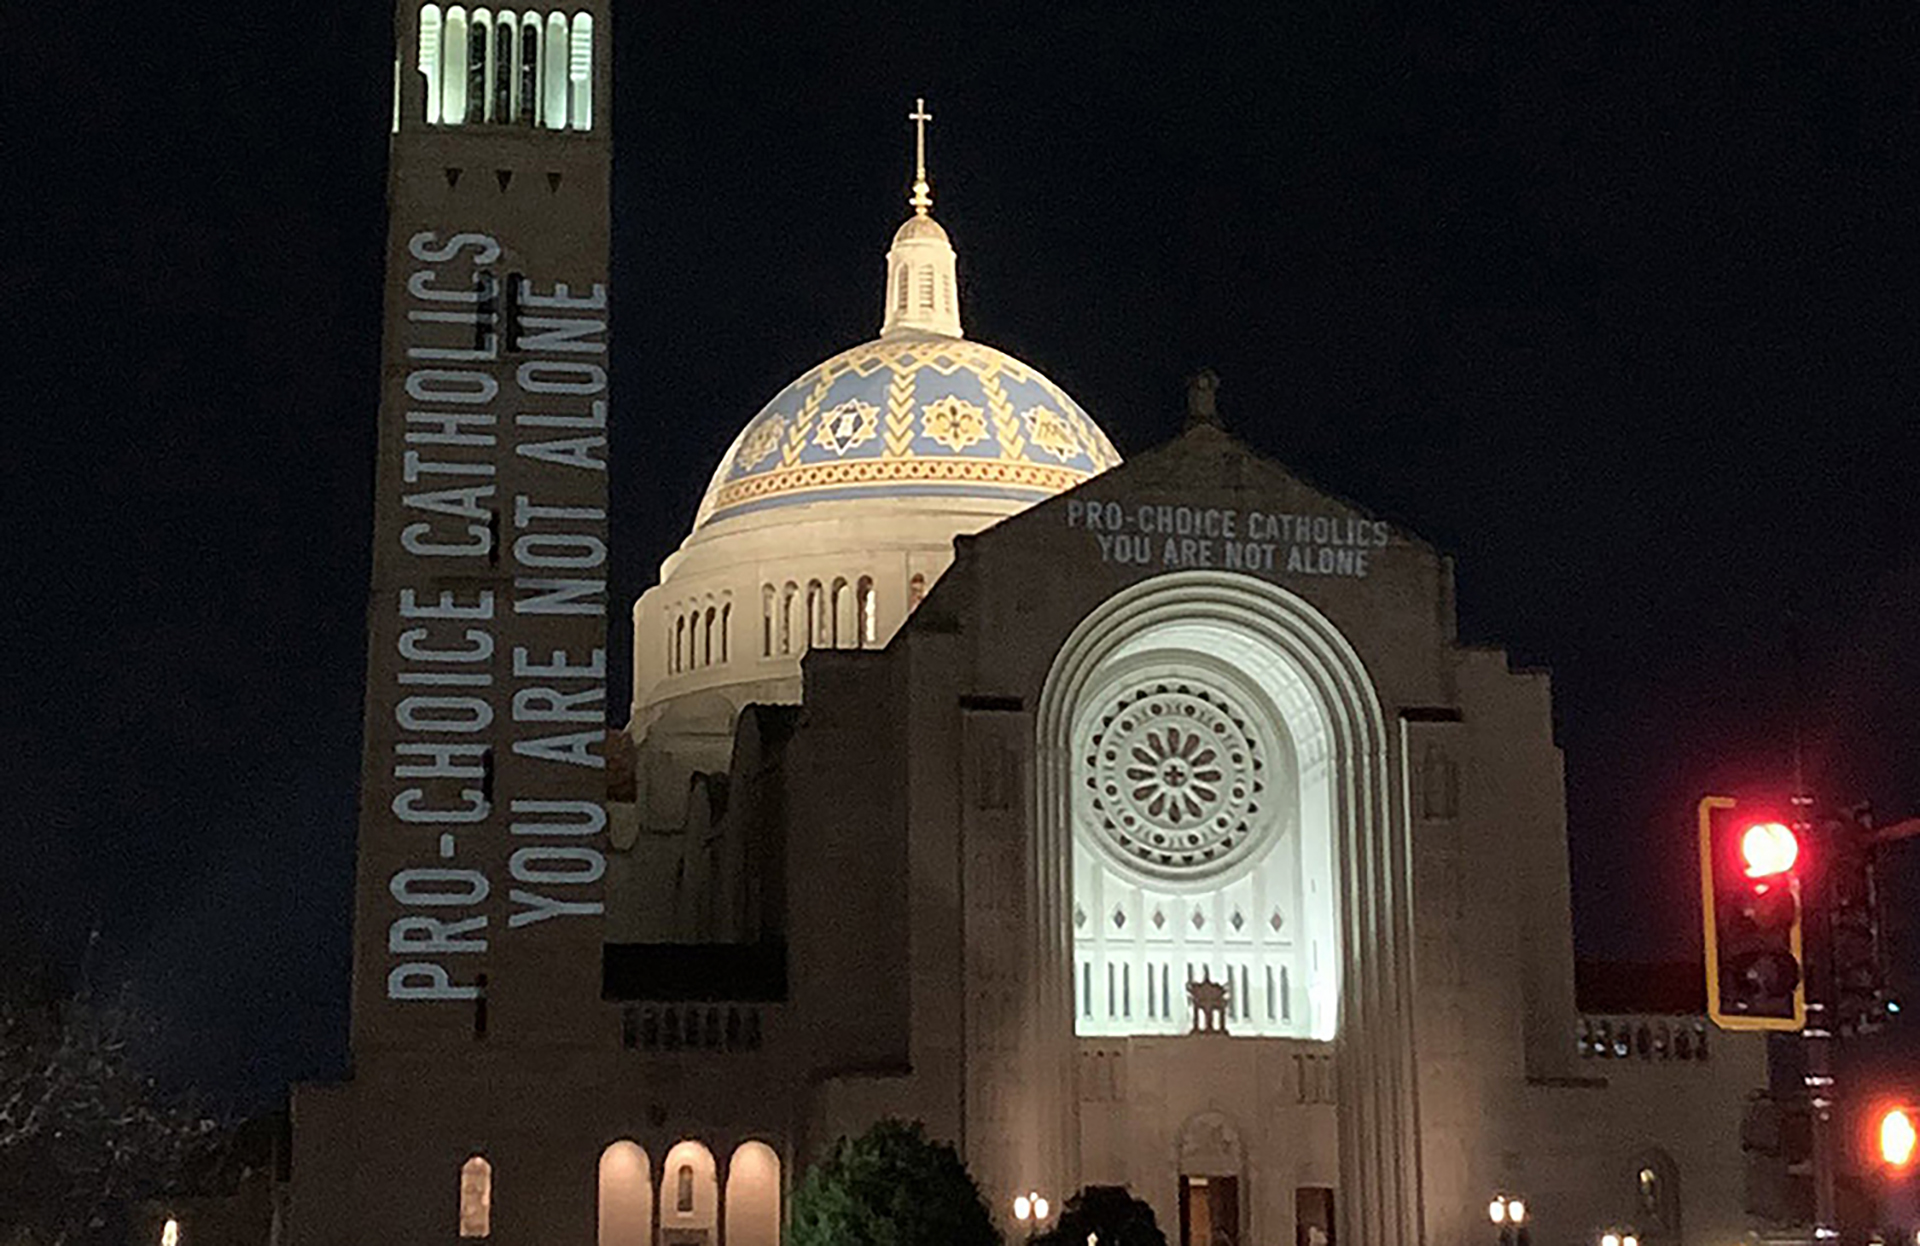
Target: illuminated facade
pixel 1132 823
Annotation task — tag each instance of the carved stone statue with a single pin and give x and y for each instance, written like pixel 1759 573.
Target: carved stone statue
pixel 1211 1003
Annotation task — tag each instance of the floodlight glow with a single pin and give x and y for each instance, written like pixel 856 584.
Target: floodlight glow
pixel 1022 1207
pixel 1497 1211
pixel 1516 1210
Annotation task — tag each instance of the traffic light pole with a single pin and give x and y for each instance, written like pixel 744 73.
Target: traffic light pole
pixel 1822 1089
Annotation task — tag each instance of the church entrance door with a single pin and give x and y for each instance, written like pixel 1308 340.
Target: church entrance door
pixel 1209 1211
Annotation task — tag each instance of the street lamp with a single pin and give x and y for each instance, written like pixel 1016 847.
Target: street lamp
pixel 1031 1206
pixel 1619 1237
pixel 1509 1215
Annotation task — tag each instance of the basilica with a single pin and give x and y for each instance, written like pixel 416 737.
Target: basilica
pixel 1131 822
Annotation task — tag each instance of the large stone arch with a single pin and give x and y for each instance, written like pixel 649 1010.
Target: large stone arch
pixel 1379 1201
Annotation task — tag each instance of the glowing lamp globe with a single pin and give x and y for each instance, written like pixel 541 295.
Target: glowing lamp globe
pixel 1768 849
pixel 1897 1138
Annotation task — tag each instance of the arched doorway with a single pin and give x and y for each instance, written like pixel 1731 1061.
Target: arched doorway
pixel 1211 1167
pixel 753 1196
pixel 689 1196
pixel 626 1196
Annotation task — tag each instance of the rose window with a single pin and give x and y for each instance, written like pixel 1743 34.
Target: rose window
pixel 1177 778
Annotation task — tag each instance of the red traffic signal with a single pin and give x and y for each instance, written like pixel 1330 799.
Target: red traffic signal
pixel 1750 903
pixel 1768 850
pixel 1897 1138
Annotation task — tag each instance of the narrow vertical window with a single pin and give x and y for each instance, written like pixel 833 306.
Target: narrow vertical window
pixel 453 67
pixel 786 616
pixel 679 643
pixel 529 69
pixel 580 71
pixel 916 592
pixel 683 1189
pixel 706 648
pixel 900 291
pixel 840 630
pixel 816 615
pixel 428 62
pixel 766 620
pixel 726 627
pixel 476 1198
pixel 869 621
pixel 479 32
pixel 553 74
pixel 926 288
pixel 504 43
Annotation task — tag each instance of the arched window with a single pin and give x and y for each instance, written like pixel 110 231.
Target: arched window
pixel 916 592
pixel 816 615
pixel 479 42
pixel 900 285
pixel 683 1188
pixel 841 628
pixel 553 74
pixel 679 643
pixel 529 105
pixel 626 1196
pixel 706 638
pixel 428 61
pixel 753 1196
pixel 869 622
pixel 453 67
pixel 476 1197
pixel 766 620
pixel 580 71
pixel 726 626
pixel 786 616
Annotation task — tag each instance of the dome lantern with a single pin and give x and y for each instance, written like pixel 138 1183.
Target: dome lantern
pixel 923 295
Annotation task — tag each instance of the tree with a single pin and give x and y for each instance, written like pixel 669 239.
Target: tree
pixel 891 1186
pixel 1108 1213
pixel 84 1134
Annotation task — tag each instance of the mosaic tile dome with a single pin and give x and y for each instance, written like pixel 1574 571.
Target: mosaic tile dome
pixel 910 415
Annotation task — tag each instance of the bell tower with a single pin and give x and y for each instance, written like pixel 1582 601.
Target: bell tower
pixel 478 896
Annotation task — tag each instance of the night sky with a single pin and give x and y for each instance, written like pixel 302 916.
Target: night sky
pixel 1619 307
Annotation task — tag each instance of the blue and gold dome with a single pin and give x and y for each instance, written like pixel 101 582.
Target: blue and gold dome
pixel 919 412
pixel 912 414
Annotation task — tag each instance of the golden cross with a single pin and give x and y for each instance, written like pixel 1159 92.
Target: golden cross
pixel 922 193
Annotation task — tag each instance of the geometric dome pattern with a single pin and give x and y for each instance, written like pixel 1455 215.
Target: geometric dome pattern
pixel 910 415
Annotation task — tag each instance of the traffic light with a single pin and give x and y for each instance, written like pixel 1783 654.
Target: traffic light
pixel 1750 897
pixel 1853 906
pixel 1897 1138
